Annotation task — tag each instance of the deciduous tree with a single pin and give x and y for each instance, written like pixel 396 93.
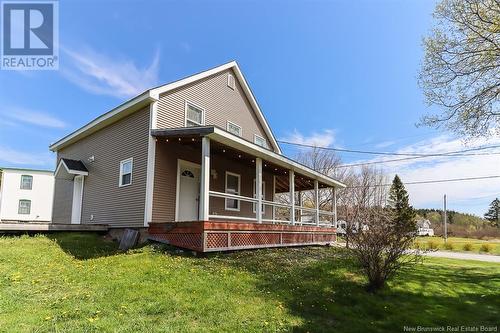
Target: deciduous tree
pixel 461 69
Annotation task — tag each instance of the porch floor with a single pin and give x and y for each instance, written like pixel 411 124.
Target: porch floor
pixel 210 236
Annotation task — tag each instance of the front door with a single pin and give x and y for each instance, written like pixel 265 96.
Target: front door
pixel 76 207
pixel 189 190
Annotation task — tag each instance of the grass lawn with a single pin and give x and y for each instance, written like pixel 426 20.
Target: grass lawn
pixel 81 283
pixel 457 244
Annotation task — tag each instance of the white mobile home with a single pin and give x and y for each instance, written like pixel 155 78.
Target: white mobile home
pixel 26 195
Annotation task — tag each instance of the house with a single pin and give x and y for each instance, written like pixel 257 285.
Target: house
pixel 196 164
pixel 424 228
pixel 26 195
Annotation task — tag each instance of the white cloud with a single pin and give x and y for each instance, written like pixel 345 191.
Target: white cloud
pixel 385 144
pixel 324 138
pixel 471 196
pixel 16 157
pixel 109 75
pixel 31 117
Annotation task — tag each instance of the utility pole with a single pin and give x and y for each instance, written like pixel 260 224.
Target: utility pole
pixel 445 221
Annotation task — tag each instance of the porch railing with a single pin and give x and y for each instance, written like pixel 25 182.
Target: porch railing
pixel 326 218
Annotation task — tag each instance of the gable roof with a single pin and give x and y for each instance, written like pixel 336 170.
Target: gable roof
pixel 153 94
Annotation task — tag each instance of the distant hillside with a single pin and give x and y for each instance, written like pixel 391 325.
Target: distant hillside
pixel 454 217
pixel 459 224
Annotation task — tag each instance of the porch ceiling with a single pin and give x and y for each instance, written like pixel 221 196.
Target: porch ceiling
pixel 238 149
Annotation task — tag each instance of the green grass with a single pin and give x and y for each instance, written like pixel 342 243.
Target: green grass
pixel 458 243
pixel 81 283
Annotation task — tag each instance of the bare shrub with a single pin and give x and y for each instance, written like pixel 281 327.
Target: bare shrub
pixel 383 246
pixel 449 246
pixel 432 245
pixel 467 247
pixel 486 248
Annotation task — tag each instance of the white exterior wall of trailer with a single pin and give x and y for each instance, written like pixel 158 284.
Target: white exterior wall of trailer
pixel 36 202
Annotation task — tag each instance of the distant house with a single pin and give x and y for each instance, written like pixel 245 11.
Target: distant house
pixel 26 195
pixel 424 228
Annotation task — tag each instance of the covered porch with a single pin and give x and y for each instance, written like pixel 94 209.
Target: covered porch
pixel 233 194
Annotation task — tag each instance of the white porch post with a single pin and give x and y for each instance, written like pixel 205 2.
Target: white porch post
pixel 334 206
pixel 316 200
pixel 258 188
pixel 274 198
pixel 291 185
pixel 204 179
pixel 300 205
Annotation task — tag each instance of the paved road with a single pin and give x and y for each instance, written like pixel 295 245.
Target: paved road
pixel 456 255
pixel 465 256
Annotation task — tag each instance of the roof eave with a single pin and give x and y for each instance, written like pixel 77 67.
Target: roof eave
pixel 104 120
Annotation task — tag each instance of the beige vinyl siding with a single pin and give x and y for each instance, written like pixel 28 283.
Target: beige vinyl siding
pixel 164 193
pixel 220 103
pixel 102 197
pixel 63 200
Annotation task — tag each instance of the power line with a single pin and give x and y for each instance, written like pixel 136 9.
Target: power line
pixel 431 181
pixel 342 150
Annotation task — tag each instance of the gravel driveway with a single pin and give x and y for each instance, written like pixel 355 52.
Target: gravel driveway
pixel 465 256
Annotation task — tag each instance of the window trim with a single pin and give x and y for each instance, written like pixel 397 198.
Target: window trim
pixel 254 205
pixel 19 207
pixel 186 104
pixel 228 173
pixel 229 75
pixel 255 136
pixel 31 184
pixel 131 160
pixel 234 124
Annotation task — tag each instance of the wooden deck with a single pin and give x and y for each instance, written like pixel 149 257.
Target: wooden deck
pixel 41 227
pixel 210 236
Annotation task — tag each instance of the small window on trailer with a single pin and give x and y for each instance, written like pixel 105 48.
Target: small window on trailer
pixel 24 207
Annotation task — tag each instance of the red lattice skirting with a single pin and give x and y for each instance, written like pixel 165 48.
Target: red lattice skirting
pixel 203 236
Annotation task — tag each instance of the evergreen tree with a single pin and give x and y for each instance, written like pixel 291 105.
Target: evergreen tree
pixel 399 203
pixel 493 214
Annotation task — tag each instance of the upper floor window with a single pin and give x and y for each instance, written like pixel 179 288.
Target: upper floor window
pixel 260 141
pixel 26 182
pixel 126 172
pixel 24 207
pixel 234 128
pixel 195 116
pixel 230 81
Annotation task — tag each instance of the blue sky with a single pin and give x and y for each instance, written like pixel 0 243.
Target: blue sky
pixel 345 70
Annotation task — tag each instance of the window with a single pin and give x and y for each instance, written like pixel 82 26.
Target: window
pixel 126 172
pixel 234 128
pixel 232 187
pixel 194 115
pixel 230 81
pixel 263 196
pixel 260 141
pixel 24 207
pixel 26 182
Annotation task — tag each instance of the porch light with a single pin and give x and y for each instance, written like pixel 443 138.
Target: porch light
pixel 192 139
pixel 179 139
pixel 239 156
pixel 166 140
pixel 223 150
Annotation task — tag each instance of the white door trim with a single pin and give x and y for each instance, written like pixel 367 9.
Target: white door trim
pixel 76 207
pixel 180 163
